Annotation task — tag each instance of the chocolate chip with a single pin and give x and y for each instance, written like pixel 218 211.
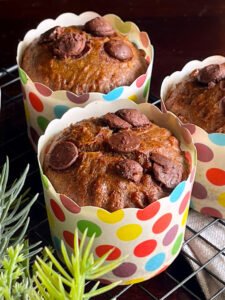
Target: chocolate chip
pixel 222 105
pixel 210 73
pixel 133 116
pixel 124 141
pixel 99 27
pixel 70 44
pixel 161 160
pixel 51 35
pixel 129 169
pixel 169 176
pixel 63 155
pixel 118 49
pixel 115 122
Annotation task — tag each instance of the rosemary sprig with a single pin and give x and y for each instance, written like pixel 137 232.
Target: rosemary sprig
pixel 14 220
pixel 55 282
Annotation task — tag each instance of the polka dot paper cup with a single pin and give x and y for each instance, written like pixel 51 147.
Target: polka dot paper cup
pixel 43 105
pixel 208 196
pixel 151 237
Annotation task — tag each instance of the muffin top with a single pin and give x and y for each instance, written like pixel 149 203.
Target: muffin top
pixel 119 160
pixel 200 98
pixel 82 59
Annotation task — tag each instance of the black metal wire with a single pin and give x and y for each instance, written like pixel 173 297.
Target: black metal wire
pixel 8 80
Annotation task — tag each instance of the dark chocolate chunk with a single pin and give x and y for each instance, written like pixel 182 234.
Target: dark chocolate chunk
pixel 115 122
pixel 166 171
pixel 99 27
pixel 169 176
pixel 129 169
pixel 70 44
pixel 118 49
pixel 51 35
pixel 222 105
pixel 124 141
pixel 210 73
pixel 63 155
pixel 133 116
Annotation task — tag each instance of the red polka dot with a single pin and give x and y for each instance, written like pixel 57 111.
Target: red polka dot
pixel 69 238
pixel 57 210
pixel 36 102
pixel 204 153
pixel 140 81
pixel 199 191
pixel 216 176
pixel 162 223
pixel 184 202
pixel 144 39
pixel 43 89
pixel 209 211
pixel 103 249
pixel 70 205
pixel 148 212
pixel 145 248
pixel 190 127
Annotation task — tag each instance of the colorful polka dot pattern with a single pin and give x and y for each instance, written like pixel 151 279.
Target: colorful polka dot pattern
pixel 209 186
pixel 151 237
pixel 44 105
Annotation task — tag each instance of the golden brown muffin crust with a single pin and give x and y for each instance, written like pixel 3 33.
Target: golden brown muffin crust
pixel 105 62
pixel 115 168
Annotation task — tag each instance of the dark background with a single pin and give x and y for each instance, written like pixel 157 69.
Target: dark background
pixel 180 30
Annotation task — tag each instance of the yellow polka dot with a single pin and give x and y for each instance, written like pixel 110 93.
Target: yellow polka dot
pixel 27 114
pixel 110 218
pixel 129 232
pixel 133 281
pixel 133 97
pixel 221 199
pixel 185 215
pixel 50 219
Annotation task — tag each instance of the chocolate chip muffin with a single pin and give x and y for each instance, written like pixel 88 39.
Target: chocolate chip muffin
pixel 115 161
pixel 200 98
pixel 82 59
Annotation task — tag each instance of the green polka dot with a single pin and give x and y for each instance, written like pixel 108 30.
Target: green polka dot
pixel 122 27
pixel 42 123
pixel 92 228
pixel 23 76
pixel 177 244
pixel 146 89
pixel 44 180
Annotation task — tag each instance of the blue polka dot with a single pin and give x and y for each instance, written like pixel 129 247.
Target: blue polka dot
pixel 155 262
pixel 217 138
pixel 176 193
pixel 57 243
pixel 60 110
pixel 114 94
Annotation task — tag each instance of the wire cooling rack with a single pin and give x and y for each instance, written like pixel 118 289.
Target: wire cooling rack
pixel 179 281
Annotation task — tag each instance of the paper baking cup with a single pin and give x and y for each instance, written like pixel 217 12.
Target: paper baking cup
pixel 208 196
pixel 151 237
pixel 43 105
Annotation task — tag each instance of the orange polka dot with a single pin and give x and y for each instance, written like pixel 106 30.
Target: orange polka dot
pixel 216 176
pixel 103 249
pixel 162 223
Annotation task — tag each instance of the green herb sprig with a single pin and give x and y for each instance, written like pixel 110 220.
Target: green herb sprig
pixel 54 282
